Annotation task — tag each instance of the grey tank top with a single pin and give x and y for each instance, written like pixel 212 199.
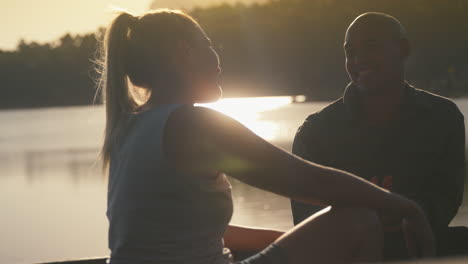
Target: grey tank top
pixel 156 213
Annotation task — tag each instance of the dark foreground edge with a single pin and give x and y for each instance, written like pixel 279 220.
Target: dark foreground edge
pixel 102 260
pixel 98 260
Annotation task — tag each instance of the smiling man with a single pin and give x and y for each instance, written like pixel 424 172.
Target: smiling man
pixel 401 138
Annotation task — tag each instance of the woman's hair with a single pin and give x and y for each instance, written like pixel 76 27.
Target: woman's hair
pixel 135 53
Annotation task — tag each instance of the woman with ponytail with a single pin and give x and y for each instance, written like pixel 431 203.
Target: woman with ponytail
pixel 169 200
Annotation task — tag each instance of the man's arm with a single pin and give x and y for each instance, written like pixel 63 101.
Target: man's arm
pixel 443 193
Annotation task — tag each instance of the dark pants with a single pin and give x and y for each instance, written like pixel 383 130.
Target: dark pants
pixel 451 242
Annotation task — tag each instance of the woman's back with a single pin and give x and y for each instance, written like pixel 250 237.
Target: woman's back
pixel 156 213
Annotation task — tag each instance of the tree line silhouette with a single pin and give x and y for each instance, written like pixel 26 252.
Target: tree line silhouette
pixel 280 47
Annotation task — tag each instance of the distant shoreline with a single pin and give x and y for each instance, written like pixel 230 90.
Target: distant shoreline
pixel 296 99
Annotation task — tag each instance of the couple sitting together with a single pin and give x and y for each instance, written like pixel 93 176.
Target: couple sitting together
pixel 377 175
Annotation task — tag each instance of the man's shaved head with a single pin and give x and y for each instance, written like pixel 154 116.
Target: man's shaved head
pixel 381 21
pixel 376 48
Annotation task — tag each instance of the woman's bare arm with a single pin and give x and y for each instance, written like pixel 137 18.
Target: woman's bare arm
pixel 199 140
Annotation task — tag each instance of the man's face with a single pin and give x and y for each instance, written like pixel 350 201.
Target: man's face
pixel 374 58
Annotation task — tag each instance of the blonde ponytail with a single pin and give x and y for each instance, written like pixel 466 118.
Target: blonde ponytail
pixel 135 50
pixel 118 100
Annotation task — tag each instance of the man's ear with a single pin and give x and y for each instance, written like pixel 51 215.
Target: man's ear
pixel 405 49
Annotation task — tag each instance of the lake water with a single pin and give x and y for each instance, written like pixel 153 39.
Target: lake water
pixel 53 198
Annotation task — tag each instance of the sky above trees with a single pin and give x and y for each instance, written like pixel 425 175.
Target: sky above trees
pixel 284 47
pixel 47 20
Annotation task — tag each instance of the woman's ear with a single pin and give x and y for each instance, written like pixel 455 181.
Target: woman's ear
pixel 183 54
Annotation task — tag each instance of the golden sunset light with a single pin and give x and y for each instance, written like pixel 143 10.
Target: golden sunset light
pixel 233 131
pixel 47 20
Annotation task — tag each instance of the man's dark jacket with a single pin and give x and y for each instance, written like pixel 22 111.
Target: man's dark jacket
pixel 421 156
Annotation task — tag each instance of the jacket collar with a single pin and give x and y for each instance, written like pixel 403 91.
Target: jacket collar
pixel 352 105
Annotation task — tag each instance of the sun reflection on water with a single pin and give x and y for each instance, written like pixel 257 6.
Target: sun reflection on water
pixel 247 111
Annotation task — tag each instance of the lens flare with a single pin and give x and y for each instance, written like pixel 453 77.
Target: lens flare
pixel 248 110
